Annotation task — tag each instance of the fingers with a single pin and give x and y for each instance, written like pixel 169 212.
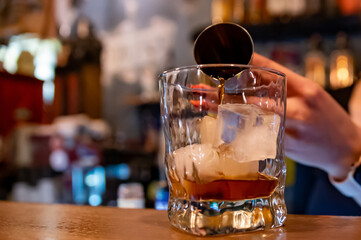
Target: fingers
pixel 203 86
pixel 265 103
pixel 296 109
pixel 262 61
pixel 297 120
pixel 295 82
pixel 204 105
pixel 207 92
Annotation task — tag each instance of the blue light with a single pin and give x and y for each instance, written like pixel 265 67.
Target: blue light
pixel 120 171
pixel 124 171
pixel 161 205
pixel 214 206
pixel 95 178
pixel 95 200
pixel 91 180
pixel 99 174
pixel 79 193
pixel 161 199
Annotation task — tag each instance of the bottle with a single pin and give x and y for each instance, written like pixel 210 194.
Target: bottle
pixel 221 11
pixel 239 11
pixel 228 11
pixel 341 64
pixel 296 8
pixel 255 11
pixel 315 61
pixel 277 8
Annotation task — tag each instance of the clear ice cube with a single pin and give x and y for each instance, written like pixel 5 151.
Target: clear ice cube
pixel 197 162
pixel 251 131
pixel 231 167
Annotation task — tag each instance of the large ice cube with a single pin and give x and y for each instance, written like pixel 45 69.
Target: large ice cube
pixel 251 131
pixel 197 162
pixel 231 167
pixel 231 118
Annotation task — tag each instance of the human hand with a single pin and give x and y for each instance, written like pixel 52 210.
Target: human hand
pixel 319 133
pixel 209 100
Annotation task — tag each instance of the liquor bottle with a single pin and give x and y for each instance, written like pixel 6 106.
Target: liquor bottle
pixel 277 8
pixel 315 61
pixel 239 11
pixel 255 11
pixel 228 11
pixel 341 64
pixel 296 8
pixel 286 9
pixel 221 11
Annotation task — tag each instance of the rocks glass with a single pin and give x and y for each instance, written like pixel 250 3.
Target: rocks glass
pixel 224 158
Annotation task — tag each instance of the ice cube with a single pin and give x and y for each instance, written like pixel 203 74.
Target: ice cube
pixel 197 162
pixel 208 130
pixel 232 118
pixel 251 131
pixel 231 167
pixel 229 125
pixel 259 141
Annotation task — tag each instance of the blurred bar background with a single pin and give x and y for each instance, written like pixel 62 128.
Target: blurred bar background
pixel 80 117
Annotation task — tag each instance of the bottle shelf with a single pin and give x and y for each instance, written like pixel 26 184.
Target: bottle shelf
pixel 305 27
pixel 302 28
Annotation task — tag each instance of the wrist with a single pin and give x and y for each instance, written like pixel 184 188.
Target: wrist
pixel 351 185
pixel 351 160
pixel 343 175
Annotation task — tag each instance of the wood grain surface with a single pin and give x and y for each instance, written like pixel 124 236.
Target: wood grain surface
pixel 49 222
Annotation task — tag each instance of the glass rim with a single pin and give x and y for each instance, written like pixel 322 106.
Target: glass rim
pixel 199 66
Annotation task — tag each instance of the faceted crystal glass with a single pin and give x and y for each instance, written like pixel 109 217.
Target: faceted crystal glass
pixel 224 158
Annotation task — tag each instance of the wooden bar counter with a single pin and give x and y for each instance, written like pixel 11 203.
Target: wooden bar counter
pixel 49 222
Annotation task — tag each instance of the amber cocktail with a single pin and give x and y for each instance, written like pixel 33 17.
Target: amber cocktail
pixel 224 127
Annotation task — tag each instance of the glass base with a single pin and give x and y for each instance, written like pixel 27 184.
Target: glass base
pixel 205 218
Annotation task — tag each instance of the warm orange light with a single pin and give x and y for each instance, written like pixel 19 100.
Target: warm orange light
pixel 315 69
pixel 342 72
